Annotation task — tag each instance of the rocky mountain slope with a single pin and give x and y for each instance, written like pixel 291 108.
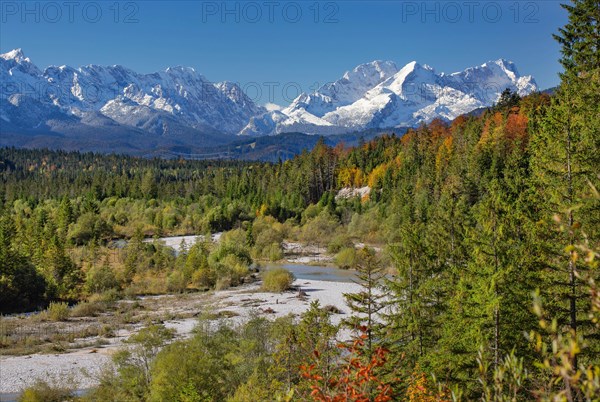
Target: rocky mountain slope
pixel 115 109
pixel 379 95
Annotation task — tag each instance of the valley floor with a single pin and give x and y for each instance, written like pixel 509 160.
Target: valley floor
pixel 83 365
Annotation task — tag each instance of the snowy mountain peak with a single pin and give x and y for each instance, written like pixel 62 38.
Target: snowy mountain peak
pixel 346 90
pixel 495 76
pixel 369 71
pixel 15 64
pixel 412 67
pixel 16 54
pixel 505 64
pixel 180 70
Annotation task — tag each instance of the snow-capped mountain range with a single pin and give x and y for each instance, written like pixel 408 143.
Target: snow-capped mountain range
pixel 181 105
pixel 153 102
pixel 379 95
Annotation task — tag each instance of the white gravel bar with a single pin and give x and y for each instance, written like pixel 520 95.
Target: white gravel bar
pixel 82 366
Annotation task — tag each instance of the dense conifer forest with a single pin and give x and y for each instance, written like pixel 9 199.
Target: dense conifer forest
pixel 485 288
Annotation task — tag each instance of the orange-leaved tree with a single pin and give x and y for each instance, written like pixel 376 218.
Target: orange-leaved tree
pixel 358 379
pixel 421 390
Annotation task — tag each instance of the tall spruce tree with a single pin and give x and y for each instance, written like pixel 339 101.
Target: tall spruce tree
pixel 566 164
pixel 411 317
pixel 368 302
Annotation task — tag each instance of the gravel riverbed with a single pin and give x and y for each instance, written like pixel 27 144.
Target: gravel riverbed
pixel 82 366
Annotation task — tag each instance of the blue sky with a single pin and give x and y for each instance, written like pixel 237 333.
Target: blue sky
pixel 274 49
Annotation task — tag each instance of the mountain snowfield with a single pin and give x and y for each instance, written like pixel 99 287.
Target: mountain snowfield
pixel 379 95
pixel 179 107
pixel 177 96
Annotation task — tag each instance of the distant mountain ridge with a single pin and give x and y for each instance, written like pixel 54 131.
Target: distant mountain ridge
pixel 379 95
pixel 115 109
pixel 152 102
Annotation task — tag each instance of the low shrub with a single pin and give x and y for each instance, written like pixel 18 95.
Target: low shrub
pixel 338 243
pixel 108 297
pixel 277 280
pixel 42 391
pixel 346 258
pixel 204 278
pixel 273 252
pixel 223 283
pixel 58 311
pixel 101 279
pixel 176 282
pixel 88 309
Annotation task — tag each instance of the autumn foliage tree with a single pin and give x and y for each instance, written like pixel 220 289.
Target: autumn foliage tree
pixel 421 389
pixel 357 379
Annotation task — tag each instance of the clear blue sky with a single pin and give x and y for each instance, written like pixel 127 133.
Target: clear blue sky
pixel 285 46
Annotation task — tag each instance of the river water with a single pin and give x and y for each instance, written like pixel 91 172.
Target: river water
pixel 317 272
pixel 300 271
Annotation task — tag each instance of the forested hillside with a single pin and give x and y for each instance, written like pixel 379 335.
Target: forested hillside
pixel 490 225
